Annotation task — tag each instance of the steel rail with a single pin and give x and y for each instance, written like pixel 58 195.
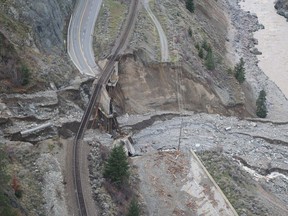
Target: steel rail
pixel 94 104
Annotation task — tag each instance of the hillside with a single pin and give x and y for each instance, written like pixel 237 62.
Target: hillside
pixel 177 102
pixel 34 35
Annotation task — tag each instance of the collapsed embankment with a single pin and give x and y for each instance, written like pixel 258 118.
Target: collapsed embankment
pixel 146 86
pixel 187 82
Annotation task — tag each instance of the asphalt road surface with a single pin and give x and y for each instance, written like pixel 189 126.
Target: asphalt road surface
pixel 80 36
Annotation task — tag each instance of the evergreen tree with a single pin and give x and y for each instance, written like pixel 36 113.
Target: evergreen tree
pixel 261 109
pixel 205 45
pixel 117 167
pixel 209 60
pixel 201 53
pixel 134 209
pixel 239 71
pixel 190 5
pixel 190 32
pixel 25 74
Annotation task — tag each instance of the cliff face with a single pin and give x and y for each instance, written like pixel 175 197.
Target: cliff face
pixel 45 20
pixel 282 7
pixel 36 32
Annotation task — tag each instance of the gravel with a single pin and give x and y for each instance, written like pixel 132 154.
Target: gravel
pixel 260 146
pixel 244 24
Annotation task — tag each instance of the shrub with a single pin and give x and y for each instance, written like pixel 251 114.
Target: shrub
pixel 117 167
pixel 261 109
pixel 18 193
pixel 17 187
pixel 209 60
pixel 190 32
pixel 134 209
pixel 206 46
pixel 25 75
pixel 190 5
pixel 230 71
pixel 201 53
pixel 239 71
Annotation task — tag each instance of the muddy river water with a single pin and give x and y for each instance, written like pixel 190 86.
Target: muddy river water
pixel 273 41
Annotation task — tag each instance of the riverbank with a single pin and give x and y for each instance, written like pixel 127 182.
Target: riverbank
pixel 244 24
pixel 272 41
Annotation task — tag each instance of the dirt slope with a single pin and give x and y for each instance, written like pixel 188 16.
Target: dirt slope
pixel 147 87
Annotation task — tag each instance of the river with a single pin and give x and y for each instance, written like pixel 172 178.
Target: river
pixel 273 41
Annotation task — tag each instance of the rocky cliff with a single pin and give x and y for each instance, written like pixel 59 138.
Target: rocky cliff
pixel 282 7
pixel 44 20
pixel 36 32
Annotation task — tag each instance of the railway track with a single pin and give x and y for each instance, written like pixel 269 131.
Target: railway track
pixel 94 104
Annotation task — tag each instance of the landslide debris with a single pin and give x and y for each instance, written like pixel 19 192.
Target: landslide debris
pixel 241 155
pixel 247 196
pixel 36 158
pixel 186 83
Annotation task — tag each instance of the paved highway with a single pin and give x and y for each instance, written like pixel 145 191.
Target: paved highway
pixel 80 50
pixel 80 36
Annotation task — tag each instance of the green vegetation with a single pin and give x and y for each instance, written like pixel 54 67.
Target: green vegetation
pixel 16 187
pixel 117 167
pixel 209 60
pixel 5 208
pixel 117 10
pixel 11 66
pixel 134 209
pixel 190 5
pixel 261 110
pixel 206 46
pixel 201 53
pixel 190 32
pixel 25 72
pixel 117 174
pixel 230 71
pixel 205 50
pixel 239 71
pixel 236 184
